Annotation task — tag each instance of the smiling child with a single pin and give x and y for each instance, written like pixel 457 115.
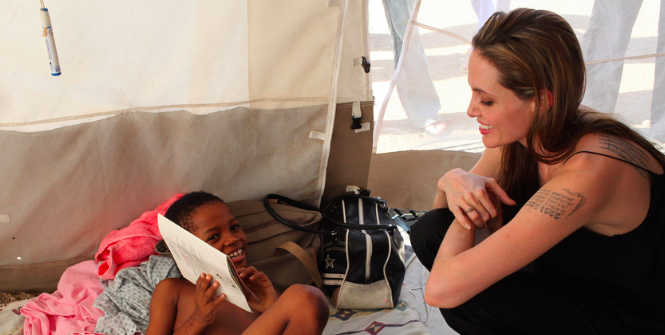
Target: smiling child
pixel 180 307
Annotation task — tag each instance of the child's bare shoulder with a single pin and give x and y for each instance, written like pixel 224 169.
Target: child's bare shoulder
pixel 173 287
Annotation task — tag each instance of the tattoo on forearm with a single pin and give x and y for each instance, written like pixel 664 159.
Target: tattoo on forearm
pixel 626 151
pixel 555 204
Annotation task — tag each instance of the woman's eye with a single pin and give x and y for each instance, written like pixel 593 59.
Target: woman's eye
pixel 486 103
pixel 212 238
pixel 235 227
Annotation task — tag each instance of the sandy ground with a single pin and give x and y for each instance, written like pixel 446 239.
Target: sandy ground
pixel 445 55
pixel 6 298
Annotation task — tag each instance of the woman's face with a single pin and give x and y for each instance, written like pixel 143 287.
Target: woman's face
pixel 504 118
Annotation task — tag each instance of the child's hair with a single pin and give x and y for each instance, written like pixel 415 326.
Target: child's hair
pixel 183 209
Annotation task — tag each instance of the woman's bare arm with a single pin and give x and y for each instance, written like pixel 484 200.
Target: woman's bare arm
pixel 487 166
pixel 569 201
pixel 469 195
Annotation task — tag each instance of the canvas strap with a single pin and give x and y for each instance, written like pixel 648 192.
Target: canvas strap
pixel 306 259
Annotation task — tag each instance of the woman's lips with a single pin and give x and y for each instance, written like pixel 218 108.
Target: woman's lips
pixel 485 128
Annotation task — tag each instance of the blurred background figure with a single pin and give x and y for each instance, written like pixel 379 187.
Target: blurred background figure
pixel 484 9
pixel 414 85
pixel 610 27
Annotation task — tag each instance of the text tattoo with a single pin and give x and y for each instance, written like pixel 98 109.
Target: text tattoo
pixel 555 204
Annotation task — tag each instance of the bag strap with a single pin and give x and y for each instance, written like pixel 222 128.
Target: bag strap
pixel 288 201
pixel 377 201
pixel 291 202
pixel 306 259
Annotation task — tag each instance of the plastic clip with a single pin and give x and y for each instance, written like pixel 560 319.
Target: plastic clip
pixel 356 115
pixel 366 65
pixel 355 123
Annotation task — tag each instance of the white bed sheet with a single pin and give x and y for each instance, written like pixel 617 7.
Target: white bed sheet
pixel 411 315
pixel 10 322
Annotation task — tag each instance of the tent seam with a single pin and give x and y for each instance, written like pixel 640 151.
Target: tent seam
pixel 151 108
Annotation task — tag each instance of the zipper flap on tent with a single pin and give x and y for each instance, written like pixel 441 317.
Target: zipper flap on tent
pixel 332 100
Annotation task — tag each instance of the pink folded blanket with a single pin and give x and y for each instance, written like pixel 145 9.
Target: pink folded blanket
pixel 69 309
pixel 131 245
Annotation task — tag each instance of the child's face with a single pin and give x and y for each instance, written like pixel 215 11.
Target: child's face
pixel 215 224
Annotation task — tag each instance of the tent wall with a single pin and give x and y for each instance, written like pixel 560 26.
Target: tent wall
pixel 67 188
pixel 199 56
pixel 157 98
pixel 350 152
pixel 407 179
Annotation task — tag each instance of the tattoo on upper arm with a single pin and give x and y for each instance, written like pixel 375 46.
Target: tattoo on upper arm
pixel 626 151
pixel 555 204
pixel 581 199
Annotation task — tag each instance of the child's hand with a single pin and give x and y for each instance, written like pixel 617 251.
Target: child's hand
pixel 206 302
pixel 260 286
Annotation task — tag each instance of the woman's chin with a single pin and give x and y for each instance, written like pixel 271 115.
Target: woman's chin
pixel 489 143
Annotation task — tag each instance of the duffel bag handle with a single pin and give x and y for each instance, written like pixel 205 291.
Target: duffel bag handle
pixel 291 202
pixel 294 203
pixel 377 201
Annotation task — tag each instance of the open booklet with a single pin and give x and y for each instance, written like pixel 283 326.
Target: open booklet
pixel 193 257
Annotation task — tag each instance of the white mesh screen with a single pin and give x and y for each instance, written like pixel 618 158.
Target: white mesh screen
pixel 443 30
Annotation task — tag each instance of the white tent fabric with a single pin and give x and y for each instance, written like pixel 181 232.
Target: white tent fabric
pixel 153 59
pixel 446 29
pixel 202 56
pixel 155 98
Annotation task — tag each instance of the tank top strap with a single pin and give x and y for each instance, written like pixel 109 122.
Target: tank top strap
pixel 610 156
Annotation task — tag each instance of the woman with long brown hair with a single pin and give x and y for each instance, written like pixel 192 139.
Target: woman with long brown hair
pixel 572 200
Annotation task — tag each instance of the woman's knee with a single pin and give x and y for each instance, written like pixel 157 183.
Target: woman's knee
pixel 428 232
pixel 433 224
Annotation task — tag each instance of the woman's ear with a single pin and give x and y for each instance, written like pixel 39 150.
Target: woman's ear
pixel 546 100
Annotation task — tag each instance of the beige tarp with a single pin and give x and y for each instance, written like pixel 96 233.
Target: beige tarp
pixel 155 98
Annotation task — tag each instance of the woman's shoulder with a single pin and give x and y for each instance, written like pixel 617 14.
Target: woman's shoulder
pixel 607 150
pixel 613 175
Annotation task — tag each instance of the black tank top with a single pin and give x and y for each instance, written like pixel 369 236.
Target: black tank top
pixel 627 270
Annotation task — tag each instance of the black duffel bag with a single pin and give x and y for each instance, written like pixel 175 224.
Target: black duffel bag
pixel 362 258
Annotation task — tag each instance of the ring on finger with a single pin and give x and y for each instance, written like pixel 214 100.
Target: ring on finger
pixel 470 209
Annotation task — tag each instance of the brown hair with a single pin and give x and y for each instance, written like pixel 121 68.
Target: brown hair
pixel 536 50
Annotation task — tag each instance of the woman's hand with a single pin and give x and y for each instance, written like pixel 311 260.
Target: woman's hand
pixel 206 302
pixel 469 197
pixel 263 294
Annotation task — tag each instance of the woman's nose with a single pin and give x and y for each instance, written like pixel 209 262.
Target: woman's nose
pixel 472 110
